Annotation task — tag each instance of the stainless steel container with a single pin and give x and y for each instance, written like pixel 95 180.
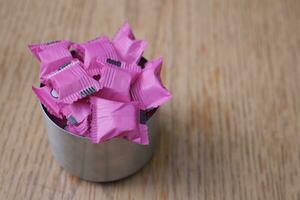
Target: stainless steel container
pixel 108 161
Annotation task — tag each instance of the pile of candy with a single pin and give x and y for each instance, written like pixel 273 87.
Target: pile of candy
pixel 100 89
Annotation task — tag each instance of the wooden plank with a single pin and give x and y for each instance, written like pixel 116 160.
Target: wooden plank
pixel 232 129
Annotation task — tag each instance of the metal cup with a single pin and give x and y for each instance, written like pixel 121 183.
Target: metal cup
pixel 107 161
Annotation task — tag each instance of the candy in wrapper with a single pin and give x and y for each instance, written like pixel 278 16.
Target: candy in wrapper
pixel 133 69
pixel 51 56
pixel 36 49
pixel 116 81
pixel 140 136
pixel 81 129
pixel 116 84
pixel 49 98
pixel 72 83
pixel 92 50
pixel 112 119
pixel 77 111
pixel 99 53
pixel 148 89
pixel 100 89
pixel 61 68
pixel 127 46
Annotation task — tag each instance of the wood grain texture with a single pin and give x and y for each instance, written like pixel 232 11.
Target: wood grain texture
pixel 232 129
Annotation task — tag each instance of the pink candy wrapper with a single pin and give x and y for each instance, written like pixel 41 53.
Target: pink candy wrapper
pixel 114 119
pixel 148 89
pixel 129 49
pixel 91 51
pixel 51 56
pixel 100 89
pixel 116 84
pixel 79 129
pixel 72 83
pixel 99 53
pixel 139 137
pixel 48 97
pixel 77 112
pixel 133 69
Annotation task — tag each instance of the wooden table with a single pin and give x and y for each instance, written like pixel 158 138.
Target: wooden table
pixel 232 129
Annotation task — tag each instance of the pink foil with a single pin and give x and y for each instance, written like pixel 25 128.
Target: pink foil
pixel 116 84
pixel 91 51
pixel 77 111
pixel 99 53
pixel 81 129
pixel 133 69
pixel 72 83
pixel 48 97
pixel 112 119
pixel 139 137
pixel 97 90
pixel 127 46
pixel 148 89
pixel 51 56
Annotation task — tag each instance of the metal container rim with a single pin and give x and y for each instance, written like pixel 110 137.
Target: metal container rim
pixel 45 113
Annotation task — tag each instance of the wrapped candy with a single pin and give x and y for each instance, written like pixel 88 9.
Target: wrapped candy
pixel 99 53
pixel 133 69
pixel 100 89
pixel 76 112
pixel 116 84
pixel 112 119
pixel 129 49
pixel 92 51
pixel 51 55
pixel 49 98
pixel 148 89
pixel 72 83
pixel 81 128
